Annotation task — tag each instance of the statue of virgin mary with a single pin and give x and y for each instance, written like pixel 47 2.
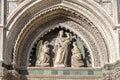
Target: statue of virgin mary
pixel 61 49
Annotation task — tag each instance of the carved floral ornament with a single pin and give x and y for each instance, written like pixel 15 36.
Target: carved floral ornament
pixel 72 12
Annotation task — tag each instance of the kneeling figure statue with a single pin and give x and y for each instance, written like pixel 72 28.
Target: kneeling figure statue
pixel 76 57
pixel 43 59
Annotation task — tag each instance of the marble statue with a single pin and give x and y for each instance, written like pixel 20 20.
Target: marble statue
pixel 44 58
pixel 76 59
pixel 61 49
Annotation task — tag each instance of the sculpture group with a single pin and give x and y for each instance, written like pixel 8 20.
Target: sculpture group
pixel 61 49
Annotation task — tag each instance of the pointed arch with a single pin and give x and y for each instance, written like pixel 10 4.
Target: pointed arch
pixel 35 13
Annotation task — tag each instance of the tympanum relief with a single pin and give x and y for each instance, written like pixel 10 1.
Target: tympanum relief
pixel 60 48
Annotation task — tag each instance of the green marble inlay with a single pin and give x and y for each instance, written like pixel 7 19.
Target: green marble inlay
pixel 47 71
pixel 39 71
pixel 110 67
pixel 23 72
pixel 60 72
pixel 78 72
pixel 32 71
pixel 84 72
pixel 72 72
pixel 117 65
pixel 66 72
pixel 54 72
pixel 90 72
pixel 97 72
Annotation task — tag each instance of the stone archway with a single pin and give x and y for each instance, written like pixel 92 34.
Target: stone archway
pixel 97 40
pixel 26 47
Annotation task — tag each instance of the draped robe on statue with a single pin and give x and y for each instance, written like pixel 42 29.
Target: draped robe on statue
pixel 61 50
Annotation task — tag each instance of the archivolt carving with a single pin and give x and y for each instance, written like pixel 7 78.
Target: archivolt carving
pixel 98 43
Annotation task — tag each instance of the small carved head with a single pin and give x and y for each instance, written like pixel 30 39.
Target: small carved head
pixel 46 43
pixel 75 47
pixel 61 33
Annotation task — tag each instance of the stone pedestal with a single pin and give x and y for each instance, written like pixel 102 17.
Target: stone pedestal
pixel 59 65
pixel 81 64
pixel 43 65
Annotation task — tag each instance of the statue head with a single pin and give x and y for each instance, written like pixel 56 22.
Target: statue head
pixel 46 43
pixel 75 47
pixel 61 33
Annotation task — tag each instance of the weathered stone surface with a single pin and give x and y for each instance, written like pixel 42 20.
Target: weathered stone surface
pixel 86 19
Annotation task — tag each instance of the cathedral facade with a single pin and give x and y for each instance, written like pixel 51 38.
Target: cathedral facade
pixel 60 40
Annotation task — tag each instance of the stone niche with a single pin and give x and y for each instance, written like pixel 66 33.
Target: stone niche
pixel 60 48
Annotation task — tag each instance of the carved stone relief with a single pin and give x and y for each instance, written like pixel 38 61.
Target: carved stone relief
pixel 98 48
pixel 17 32
pixel 72 27
pixel 59 50
pixel 81 26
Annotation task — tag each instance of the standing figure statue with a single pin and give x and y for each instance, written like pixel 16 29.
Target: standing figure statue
pixel 76 60
pixel 43 59
pixel 61 49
